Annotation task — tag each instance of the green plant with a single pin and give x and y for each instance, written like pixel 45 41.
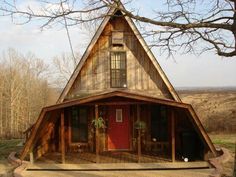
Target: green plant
pixel 98 123
pixel 140 125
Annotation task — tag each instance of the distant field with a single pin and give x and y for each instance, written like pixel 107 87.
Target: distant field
pixel 216 108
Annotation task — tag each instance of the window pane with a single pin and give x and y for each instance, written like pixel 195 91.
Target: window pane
pixel 119 117
pixel 118 69
pixel 113 63
pixel 79 128
pixel 74 125
pixel 117 61
pixel 83 116
pixel 122 61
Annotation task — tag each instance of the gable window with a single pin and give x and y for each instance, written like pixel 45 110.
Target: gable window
pixel 118 69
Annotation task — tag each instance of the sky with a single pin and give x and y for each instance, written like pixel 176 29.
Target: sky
pixel 207 70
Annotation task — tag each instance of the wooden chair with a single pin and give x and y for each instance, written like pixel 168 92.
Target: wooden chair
pixel 78 147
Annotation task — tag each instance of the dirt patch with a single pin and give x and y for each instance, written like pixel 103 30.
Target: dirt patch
pixel 6 169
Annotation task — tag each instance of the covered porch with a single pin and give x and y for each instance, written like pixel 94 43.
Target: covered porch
pixel 170 132
pixel 104 157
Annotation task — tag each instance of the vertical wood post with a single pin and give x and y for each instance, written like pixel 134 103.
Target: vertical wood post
pixel 97 135
pixel 173 135
pixel 31 157
pixel 139 135
pixel 62 137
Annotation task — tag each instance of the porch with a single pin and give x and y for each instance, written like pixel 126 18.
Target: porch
pixel 104 157
pixel 68 135
pixel 111 161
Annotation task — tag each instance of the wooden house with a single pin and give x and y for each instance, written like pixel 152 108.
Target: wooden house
pixel 119 82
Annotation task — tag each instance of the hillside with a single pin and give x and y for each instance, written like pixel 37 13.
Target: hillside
pixel 215 107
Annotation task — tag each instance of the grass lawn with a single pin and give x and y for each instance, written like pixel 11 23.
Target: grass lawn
pixel 6 147
pixel 224 140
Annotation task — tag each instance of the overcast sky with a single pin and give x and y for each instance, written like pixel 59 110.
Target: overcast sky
pixel 208 70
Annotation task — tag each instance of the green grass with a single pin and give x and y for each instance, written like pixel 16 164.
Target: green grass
pixel 224 140
pixel 8 146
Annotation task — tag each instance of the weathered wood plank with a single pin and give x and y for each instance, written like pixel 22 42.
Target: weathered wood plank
pixel 172 135
pixel 139 75
pixel 63 137
pixel 31 157
pixel 139 135
pixel 97 135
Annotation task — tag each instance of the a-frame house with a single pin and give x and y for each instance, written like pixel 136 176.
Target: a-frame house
pixel 118 83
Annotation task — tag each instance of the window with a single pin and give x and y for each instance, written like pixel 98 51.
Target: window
pixel 119 117
pixel 78 123
pixel 159 123
pixel 118 69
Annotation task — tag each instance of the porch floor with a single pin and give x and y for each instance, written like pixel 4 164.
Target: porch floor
pixel 104 157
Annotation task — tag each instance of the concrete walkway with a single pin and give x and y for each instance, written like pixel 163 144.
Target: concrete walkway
pixel 118 166
pixel 119 170
pixel 148 173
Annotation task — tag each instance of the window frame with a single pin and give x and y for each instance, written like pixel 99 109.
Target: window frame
pixel 70 125
pixel 124 70
pixel 119 115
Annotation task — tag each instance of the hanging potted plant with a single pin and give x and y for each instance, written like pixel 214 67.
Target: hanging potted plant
pixel 98 123
pixel 140 125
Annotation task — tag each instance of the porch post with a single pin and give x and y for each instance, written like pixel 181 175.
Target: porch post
pixel 31 157
pixel 173 135
pixel 97 135
pixel 139 135
pixel 62 137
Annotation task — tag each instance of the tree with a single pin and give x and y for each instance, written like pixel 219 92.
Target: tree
pixel 63 67
pixel 24 90
pixel 178 27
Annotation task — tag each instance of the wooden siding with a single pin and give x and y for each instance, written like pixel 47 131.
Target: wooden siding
pixel 142 76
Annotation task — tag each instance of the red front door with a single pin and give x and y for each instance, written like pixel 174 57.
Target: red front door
pixel 118 128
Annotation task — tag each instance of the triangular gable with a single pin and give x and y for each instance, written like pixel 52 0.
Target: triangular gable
pixel 76 72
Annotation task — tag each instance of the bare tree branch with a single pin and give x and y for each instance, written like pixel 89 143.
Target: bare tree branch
pixel 180 25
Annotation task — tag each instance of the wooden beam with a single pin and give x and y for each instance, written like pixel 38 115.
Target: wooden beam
pixel 173 135
pixel 97 135
pixel 29 143
pixel 139 135
pixel 31 157
pixel 62 137
pixel 116 103
pixel 120 93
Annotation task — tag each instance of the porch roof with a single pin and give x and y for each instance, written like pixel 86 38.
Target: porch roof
pixel 119 93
